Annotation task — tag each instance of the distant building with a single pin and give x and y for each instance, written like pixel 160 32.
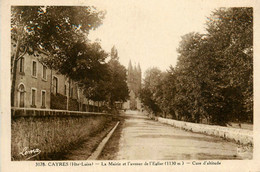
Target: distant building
pixel 134 79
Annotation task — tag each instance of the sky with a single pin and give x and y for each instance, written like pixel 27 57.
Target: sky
pixel 149 31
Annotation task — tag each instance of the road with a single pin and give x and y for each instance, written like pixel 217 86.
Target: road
pixel 145 139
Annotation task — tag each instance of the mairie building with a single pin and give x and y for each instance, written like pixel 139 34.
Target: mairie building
pixel 37 86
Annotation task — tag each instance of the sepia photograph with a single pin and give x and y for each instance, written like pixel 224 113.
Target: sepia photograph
pixel 130 83
pixel 68 92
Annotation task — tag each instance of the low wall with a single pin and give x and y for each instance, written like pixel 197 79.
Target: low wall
pixel 23 112
pixel 241 136
pixel 52 133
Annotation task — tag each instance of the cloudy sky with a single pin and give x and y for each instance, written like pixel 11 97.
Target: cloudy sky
pixel 149 31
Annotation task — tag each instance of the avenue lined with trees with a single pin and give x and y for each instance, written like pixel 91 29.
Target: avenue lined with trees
pixel 213 79
pixel 211 83
pixel 73 98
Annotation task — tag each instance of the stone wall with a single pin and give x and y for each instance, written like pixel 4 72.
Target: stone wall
pixel 240 136
pixel 53 132
pixel 23 112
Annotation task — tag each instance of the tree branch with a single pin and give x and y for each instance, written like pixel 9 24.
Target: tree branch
pixel 22 54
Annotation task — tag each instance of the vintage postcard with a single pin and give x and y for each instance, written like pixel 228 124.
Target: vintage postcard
pixel 151 85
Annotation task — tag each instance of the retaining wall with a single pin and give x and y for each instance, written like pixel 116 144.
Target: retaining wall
pixel 53 132
pixel 241 136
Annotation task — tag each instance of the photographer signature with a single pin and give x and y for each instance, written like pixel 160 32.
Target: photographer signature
pixel 31 153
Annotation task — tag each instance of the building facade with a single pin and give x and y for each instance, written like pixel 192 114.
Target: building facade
pixel 32 86
pixel 37 86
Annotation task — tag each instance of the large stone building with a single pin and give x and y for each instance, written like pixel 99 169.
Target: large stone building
pixel 134 79
pixel 37 86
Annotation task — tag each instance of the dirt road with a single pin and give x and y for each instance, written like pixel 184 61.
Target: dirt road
pixel 140 138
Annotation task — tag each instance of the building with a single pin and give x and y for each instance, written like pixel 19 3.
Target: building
pixel 32 84
pixel 37 86
pixel 134 79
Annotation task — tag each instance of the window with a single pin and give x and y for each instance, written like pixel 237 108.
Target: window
pixel 21 95
pixel 44 74
pixel 43 98
pixel 22 64
pixel 34 68
pixel 55 85
pixel 33 97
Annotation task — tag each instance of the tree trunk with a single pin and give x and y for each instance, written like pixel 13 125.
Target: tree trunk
pixel 68 96
pixel 14 70
pixel 51 89
pixel 88 110
pixel 79 102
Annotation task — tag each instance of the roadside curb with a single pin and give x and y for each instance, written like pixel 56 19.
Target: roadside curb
pixel 101 146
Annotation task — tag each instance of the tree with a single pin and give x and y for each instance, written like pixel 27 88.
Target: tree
pixel 84 62
pixel 152 81
pixel 166 91
pixel 114 53
pixel 149 103
pixel 215 71
pixel 98 89
pixel 118 90
pixel 213 78
pixel 52 30
pixel 232 35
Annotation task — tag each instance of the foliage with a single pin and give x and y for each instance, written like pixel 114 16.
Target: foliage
pixel 152 81
pixel 106 81
pixel 97 89
pixel 58 101
pixel 233 43
pixel 165 92
pixel 53 29
pixel 84 61
pixel 158 91
pixel 213 79
pixel 59 35
pixel 117 85
pixel 215 71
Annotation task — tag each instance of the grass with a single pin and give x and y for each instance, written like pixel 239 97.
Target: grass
pixel 112 147
pixel 53 136
pixel 84 150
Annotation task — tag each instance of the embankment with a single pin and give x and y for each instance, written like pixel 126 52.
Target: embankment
pixel 241 136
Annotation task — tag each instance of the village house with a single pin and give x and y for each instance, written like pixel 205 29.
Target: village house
pixel 37 86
